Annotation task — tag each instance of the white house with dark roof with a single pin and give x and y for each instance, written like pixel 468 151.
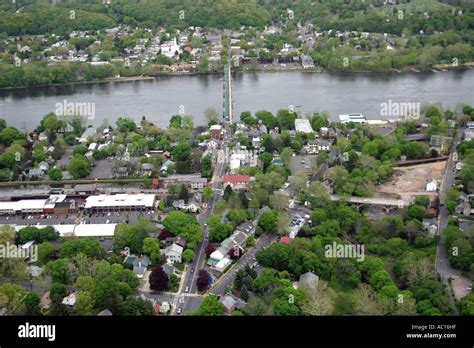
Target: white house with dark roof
pixel 174 253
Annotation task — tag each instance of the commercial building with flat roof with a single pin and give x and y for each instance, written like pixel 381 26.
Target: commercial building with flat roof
pixel 120 202
pixel 302 125
pixel 354 117
pixel 24 206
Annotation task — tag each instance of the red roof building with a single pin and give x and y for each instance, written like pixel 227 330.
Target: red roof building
pixel 284 240
pixel 236 181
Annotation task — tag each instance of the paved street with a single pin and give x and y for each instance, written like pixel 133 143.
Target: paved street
pixel 220 288
pixel 443 267
pixel 188 303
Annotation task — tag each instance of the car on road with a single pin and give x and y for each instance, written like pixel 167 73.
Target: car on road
pixel 187 289
pixel 192 270
pixel 179 310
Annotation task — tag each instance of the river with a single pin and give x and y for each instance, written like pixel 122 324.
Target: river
pixel 162 97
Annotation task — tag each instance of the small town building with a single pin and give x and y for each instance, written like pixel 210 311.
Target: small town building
pixel 174 253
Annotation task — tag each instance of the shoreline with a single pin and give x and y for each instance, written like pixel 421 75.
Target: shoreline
pixel 410 70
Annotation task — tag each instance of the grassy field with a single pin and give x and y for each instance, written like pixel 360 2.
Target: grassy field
pixel 419 6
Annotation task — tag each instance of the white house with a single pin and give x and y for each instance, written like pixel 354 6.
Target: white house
pixel 314 146
pixel 432 185
pixel 190 207
pixel 173 253
pixel 69 300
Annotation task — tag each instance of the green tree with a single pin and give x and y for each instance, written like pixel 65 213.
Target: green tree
pixel 268 221
pixel 58 270
pixel 78 167
pixel 55 173
pixel 207 193
pixel 45 253
pixel 87 246
pixel 85 304
pixel 180 223
pixel 286 155
pixel 228 192
pixel 32 301
pixel 211 307
pixel 188 255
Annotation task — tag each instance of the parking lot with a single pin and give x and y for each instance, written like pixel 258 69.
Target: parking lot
pixel 102 169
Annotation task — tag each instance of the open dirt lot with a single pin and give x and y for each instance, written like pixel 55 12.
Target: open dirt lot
pixel 413 179
pixel 461 287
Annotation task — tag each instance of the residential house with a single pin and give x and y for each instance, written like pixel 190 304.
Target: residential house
pixel 430 225
pixel 168 269
pixel 247 228
pixel 198 183
pixel 174 253
pixel 469 134
pixel 121 173
pixel 234 243
pixel 231 303
pixel 189 207
pixel 69 300
pixel 165 168
pixel 35 173
pixel 307 62
pixel 147 169
pixel 181 241
pixel 44 166
pixel 139 270
pixel 139 264
pixel 440 143
pixel 317 145
pixel 216 131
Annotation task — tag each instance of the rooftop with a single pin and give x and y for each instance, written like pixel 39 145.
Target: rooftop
pixel 236 178
pixel 302 125
pixel 120 200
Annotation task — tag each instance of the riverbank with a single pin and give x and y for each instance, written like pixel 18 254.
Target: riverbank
pixel 106 80
pixel 271 69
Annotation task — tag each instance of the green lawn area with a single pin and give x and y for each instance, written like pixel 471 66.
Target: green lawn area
pixel 416 6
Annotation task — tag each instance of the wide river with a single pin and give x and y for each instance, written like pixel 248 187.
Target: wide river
pixel 162 97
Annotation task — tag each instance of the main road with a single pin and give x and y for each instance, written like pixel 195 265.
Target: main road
pixel 444 269
pixel 188 299
pixel 224 282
